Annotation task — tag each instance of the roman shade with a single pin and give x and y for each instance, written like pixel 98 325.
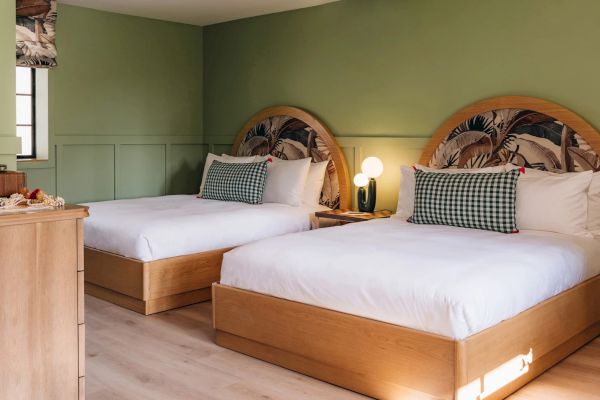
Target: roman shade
pixel 36 23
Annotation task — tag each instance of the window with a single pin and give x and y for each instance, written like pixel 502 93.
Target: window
pixel 26 111
pixel 32 112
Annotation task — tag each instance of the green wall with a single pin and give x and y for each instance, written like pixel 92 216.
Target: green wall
pixel 391 67
pixel 9 144
pixel 125 108
pixel 136 103
pixel 396 68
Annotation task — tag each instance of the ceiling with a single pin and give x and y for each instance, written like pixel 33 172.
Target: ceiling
pixel 196 12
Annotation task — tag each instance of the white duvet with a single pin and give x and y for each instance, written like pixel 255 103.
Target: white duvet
pixel 443 280
pixel 154 228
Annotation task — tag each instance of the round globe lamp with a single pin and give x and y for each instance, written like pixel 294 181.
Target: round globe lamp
pixel 372 168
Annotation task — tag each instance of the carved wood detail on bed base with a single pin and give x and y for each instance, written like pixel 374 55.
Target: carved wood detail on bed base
pixel 389 362
pixel 151 287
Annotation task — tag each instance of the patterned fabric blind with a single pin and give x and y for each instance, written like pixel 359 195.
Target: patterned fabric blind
pixel 36 23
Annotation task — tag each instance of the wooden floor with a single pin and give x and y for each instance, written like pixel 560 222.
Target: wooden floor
pixel 171 356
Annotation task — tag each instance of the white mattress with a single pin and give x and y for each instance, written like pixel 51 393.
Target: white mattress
pixel 443 280
pixel 154 228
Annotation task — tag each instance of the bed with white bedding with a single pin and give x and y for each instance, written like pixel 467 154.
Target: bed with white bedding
pixel 405 311
pixel 448 281
pixel 155 228
pixel 155 254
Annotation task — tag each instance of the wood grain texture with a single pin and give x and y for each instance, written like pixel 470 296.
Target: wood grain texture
pixel 81 386
pixel 344 216
pixel 120 274
pixel 337 155
pixel 394 361
pixel 546 361
pixel 556 111
pixel 177 300
pixel 81 339
pixel 149 306
pixel 39 313
pixel 172 356
pixel 80 297
pixel 117 298
pixel 57 214
pixel 11 182
pixel 541 328
pixel 391 361
pixel 575 378
pixel 183 274
pixel 80 241
pixel 151 287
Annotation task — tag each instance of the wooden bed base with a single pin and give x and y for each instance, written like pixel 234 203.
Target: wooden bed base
pixel 151 287
pixel 386 361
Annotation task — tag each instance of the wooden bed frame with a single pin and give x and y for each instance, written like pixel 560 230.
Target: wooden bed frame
pixel 151 287
pixel 393 362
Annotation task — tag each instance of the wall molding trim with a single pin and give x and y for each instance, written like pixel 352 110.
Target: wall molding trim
pixel 395 151
pixel 105 167
pixel 10 145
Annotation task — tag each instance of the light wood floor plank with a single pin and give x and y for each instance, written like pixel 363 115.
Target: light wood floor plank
pixel 172 356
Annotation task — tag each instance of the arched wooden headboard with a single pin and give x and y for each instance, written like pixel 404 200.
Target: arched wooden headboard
pixel 521 130
pixel 291 133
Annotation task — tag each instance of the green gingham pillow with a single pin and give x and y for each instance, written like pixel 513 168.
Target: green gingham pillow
pixel 478 201
pixel 236 182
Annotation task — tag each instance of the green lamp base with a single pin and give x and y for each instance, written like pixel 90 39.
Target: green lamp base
pixel 366 198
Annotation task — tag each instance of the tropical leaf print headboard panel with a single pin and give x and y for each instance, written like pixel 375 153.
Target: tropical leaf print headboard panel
pixel 524 131
pixel 291 133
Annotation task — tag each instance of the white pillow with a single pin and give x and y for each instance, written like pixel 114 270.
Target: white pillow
pixel 285 181
pixel 406 196
pixel 552 202
pixel 594 205
pixel 234 159
pixel 486 170
pixel 210 157
pixel 314 183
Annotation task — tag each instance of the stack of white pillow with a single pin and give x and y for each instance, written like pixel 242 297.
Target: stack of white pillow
pixel 292 182
pixel 567 203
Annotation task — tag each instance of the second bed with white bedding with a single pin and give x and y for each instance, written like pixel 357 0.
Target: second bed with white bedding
pixel 155 228
pixel 449 281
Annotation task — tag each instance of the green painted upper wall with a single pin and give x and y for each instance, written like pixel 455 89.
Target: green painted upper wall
pixel 8 142
pixel 401 67
pixel 123 75
pixel 125 108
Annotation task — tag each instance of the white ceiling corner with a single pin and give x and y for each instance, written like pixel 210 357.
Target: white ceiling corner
pixel 196 12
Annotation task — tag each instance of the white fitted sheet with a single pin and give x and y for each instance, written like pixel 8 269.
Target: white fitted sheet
pixel 443 280
pixel 155 228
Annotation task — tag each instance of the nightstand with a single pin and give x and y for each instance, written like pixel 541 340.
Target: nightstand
pixel 349 216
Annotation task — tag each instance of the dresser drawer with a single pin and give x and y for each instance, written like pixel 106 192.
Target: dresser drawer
pixel 80 298
pixel 81 337
pixel 82 388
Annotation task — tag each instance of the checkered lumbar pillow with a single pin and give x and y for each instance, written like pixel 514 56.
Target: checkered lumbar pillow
pixel 236 182
pixel 477 201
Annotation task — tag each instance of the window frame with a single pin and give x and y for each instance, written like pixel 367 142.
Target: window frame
pixel 33 150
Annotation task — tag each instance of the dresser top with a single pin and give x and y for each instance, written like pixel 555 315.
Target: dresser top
pixel 69 211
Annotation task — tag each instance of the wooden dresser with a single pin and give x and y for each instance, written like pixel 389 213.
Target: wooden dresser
pixel 42 331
